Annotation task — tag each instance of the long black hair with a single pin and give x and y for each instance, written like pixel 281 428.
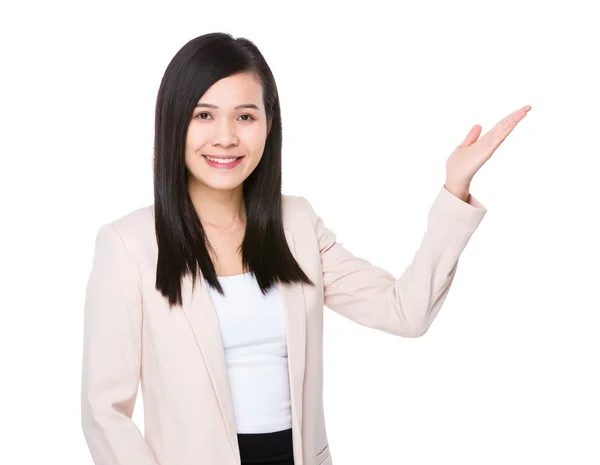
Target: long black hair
pixel 182 244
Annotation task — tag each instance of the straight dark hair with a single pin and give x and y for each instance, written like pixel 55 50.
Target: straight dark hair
pixel 182 244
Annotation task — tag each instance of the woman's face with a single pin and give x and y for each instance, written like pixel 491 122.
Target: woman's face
pixel 229 120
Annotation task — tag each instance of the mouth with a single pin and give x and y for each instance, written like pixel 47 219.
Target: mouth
pixel 223 162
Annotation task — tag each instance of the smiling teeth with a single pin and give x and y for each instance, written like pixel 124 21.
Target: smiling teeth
pixel 221 160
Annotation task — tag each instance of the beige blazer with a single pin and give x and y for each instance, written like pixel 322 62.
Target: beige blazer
pixel 130 336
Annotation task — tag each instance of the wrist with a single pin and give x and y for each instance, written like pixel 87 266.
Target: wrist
pixel 460 191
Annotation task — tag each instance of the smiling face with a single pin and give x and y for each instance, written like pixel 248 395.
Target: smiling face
pixel 228 121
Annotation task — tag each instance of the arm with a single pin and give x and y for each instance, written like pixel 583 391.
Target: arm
pixel 112 355
pixel 371 296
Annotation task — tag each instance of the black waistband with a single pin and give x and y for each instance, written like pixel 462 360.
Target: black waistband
pixel 273 446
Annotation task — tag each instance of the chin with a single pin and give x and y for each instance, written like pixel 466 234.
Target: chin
pixel 227 187
pixel 222 185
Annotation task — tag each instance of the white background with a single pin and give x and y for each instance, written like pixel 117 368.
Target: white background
pixel 374 99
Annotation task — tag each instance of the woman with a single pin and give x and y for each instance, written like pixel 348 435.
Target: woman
pixel 213 296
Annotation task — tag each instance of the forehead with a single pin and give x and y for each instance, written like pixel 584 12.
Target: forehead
pixel 234 90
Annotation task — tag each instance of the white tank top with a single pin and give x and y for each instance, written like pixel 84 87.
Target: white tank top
pixel 255 344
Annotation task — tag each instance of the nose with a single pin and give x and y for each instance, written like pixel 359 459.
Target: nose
pixel 225 134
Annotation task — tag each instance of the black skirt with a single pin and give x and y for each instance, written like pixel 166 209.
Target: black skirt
pixel 267 448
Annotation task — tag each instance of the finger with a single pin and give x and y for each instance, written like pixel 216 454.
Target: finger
pixel 502 129
pixel 488 138
pixel 515 115
pixel 519 114
pixel 472 136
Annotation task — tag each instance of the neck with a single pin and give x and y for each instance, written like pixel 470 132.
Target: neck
pixel 224 209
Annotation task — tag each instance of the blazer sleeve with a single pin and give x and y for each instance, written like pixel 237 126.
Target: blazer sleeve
pixel 404 306
pixel 112 355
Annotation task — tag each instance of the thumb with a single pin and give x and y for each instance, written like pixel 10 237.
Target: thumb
pixel 472 136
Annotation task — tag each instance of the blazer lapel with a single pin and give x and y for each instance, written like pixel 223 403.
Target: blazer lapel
pixel 201 314
pixel 292 298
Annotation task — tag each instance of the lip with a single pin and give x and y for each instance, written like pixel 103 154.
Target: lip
pixel 233 164
pixel 221 156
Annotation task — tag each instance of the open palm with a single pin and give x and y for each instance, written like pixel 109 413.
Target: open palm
pixel 472 154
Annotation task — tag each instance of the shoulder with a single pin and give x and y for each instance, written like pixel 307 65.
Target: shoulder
pixel 297 211
pixel 135 221
pixel 135 229
pixel 292 203
pixel 299 207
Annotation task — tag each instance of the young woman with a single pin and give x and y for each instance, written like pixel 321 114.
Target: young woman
pixel 213 296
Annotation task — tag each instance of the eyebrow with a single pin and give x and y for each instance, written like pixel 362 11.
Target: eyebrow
pixel 244 105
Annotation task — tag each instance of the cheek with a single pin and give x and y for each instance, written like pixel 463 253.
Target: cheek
pixel 193 144
pixel 256 142
pixel 194 140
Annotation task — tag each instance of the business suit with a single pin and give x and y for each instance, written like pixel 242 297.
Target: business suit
pixel 130 335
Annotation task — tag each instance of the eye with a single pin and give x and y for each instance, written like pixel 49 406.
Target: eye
pixel 199 116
